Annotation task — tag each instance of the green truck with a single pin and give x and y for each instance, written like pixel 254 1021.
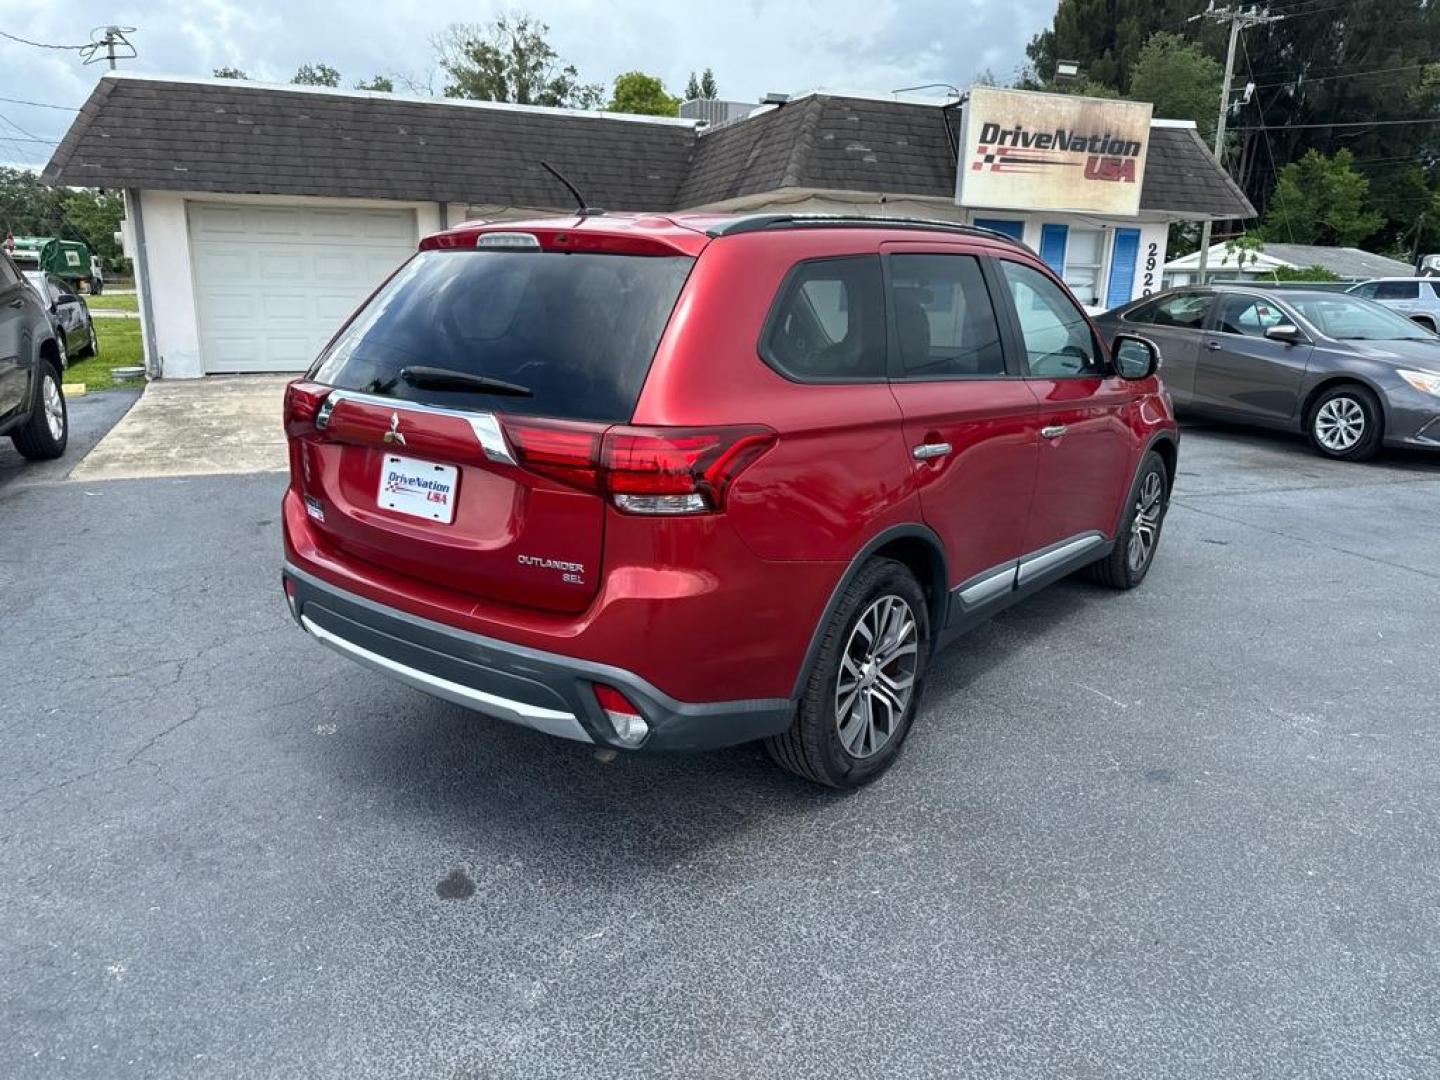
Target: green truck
pixel 68 259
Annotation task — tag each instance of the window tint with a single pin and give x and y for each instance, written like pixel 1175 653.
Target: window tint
pixel 1397 290
pixel 1367 290
pixel 8 276
pixel 1185 311
pixel 578 330
pixel 1249 315
pixel 944 321
pixel 829 321
pixel 1057 337
pixel 1427 291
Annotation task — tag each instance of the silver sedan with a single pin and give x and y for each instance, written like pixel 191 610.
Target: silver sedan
pixel 1349 373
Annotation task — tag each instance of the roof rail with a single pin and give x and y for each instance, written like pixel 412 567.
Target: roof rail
pixel 761 222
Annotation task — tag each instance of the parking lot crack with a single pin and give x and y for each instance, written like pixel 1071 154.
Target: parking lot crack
pixel 1307 540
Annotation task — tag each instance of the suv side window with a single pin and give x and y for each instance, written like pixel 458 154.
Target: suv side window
pixel 1056 334
pixel 945 324
pixel 1367 290
pixel 828 324
pixel 1397 290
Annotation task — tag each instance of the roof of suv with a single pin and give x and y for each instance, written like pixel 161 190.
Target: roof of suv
pixel 685 234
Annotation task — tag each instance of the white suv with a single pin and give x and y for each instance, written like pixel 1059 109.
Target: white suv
pixel 1414 297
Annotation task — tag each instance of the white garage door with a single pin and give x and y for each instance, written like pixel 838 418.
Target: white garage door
pixel 273 283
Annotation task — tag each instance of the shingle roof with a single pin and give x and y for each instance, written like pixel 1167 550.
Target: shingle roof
pixel 226 136
pixel 234 137
pixel 1343 261
pixel 1181 177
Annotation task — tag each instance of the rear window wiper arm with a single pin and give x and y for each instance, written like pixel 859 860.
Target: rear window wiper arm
pixel 438 378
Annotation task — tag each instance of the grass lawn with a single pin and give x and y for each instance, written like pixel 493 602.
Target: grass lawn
pixel 119 347
pixel 113 301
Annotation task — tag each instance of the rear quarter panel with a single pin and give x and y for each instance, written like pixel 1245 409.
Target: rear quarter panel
pixel 839 472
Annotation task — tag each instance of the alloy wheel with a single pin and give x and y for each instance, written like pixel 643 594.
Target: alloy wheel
pixel 54 408
pixel 1340 424
pixel 877 676
pixel 1145 529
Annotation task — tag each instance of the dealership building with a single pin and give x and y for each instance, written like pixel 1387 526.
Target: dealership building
pixel 258 216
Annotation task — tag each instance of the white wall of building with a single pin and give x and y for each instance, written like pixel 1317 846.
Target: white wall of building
pixel 169 275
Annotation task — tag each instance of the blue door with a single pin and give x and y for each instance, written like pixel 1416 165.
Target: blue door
pixel 1013 229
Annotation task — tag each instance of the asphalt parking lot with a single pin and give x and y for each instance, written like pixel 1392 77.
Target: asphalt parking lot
pixel 1188 831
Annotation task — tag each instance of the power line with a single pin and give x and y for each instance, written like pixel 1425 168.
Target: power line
pixel 1301 78
pixel 5 119
pixel 47 142
pixel 39 104
pixel 40 44
pixel 1270 151
pixel 1343 124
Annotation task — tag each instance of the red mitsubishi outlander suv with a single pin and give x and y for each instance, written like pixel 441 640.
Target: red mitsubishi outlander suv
pixel 681 482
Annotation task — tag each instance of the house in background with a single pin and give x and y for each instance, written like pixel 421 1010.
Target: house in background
pixel 1347 264
pixel 258 216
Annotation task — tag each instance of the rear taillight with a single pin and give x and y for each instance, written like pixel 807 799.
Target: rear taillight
pixel 302 404
pixel 643 470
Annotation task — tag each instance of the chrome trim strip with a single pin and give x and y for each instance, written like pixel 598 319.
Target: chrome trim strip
pixel 988 587
pixel 551 721
pixel 488 432
pixel 1056 556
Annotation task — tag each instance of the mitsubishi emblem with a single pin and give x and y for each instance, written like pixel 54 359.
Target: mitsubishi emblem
pixel 394 435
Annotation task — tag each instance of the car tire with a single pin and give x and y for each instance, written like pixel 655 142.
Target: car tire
pixel 860 695
pixel 92 349
pixel 1345 423
pixel 1139 536
pixel 45 435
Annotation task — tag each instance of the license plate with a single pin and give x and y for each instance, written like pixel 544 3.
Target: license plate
pixel 419 488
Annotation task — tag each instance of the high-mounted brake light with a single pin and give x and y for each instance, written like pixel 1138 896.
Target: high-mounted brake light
pixel 512 240
pixel 644 470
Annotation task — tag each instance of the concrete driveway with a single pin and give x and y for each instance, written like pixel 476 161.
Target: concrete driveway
pixel 1189 831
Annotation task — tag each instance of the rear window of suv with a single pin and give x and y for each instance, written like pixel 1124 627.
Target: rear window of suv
pixel 577 330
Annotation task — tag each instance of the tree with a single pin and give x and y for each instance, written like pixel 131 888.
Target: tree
pixel 1320 200
pixel 316 75
pixel 692 88
pixel 1180 80
pixel 1104 36
pixel 636 92
pixel 707 85
pixel 229 73
pixel 511 60
pixel 381 84
pixel 30 208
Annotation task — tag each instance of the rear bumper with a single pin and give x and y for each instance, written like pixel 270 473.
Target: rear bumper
pixel 541 690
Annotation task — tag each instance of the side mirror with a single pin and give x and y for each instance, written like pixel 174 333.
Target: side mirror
pixel 1134 357
pixel 66 298
pixel 1286 332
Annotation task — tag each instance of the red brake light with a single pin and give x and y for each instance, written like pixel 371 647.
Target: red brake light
pixel 613 701
pixel 302 404
pixel 568 451
pixel 645 470
pixel 678 470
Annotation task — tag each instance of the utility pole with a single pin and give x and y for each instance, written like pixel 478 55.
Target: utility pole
pixel 1238 20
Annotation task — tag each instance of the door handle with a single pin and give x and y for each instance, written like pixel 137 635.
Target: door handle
pixel 926 451
pixel 1054 431
pixel 1214 346
pixel 17 302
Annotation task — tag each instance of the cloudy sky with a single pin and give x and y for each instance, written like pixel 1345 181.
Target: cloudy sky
pixel 754 46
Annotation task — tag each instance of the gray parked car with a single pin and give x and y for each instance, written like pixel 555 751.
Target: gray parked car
pixel 1349 373
pixel 1414 297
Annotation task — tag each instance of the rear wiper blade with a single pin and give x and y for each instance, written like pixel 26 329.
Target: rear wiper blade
pixel 438 378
